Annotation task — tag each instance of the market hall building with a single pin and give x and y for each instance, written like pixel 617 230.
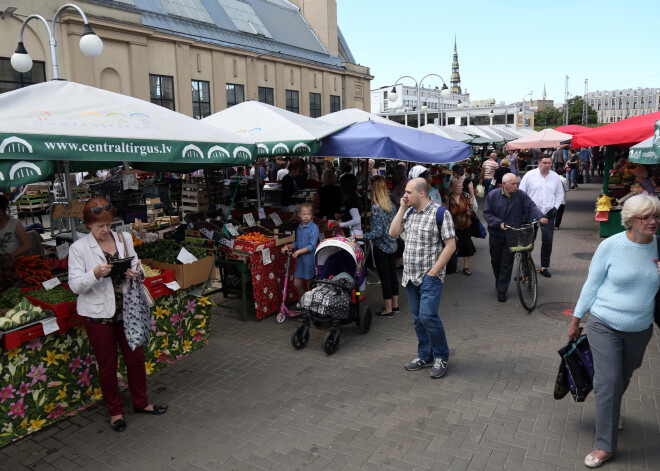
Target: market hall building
pixel 197 57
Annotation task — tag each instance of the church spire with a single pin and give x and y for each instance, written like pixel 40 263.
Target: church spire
pixel 544 94
pixel 455 75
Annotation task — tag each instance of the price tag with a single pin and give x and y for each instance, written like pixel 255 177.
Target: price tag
pixel 173 285
pixel 62 250
pixel 50 284
pixel 262 213
pixel 208 219
pixel 249 219
pixel 50 325
pixel 228 243
pixel 232 229
pixel 186 257
pixel 207 233
pixel 265 256
pixel 277 220
pixel 123 228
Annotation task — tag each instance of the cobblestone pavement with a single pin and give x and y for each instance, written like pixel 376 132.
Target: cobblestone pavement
pixel 250 401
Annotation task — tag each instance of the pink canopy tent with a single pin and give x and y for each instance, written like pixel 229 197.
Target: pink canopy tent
pixel 625 133
pixel 540 140
pixel 572 129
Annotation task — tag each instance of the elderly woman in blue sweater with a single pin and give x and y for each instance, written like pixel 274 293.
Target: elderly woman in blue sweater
pixel 619 293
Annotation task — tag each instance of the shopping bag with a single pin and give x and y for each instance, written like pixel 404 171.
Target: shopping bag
pixel 477 229
pixel 481 191
pixel 602 216
pixel 579 367
pixel 562 387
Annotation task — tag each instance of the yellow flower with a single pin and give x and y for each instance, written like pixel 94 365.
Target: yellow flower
pixel 202 324
pixel 168 311
pixel 61 394
pixel 89 391
pixel 165 342
pixel 24 423
pixel 11 354
pixel 193 332
pixel 65 356
pixel 149 367
pixel 204 301
pixel 159 312
pixel 36 424
pixel 98 395
pixel 157 353
pixel 50 358
pixel 49 407
pixel 187 345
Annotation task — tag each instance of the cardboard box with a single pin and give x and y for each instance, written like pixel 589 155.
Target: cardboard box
pixel 186 275
pixel 251 247
pixel 284 239
pixel 165 277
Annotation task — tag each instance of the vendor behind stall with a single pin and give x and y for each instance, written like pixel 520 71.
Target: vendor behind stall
pixel 351 220
pixel 289 186
pixel 13 238
pixel 327 199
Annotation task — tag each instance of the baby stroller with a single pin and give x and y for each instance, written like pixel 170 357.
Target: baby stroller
pixel 335 298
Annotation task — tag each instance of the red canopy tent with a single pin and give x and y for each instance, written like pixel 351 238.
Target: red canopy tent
pixel 572 129
pixel 624 133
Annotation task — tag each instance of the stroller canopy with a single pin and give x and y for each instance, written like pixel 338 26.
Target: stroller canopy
pixel 339 254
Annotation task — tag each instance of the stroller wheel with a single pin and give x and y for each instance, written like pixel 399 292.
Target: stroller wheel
pixel 331 342
pixel 318 324
pixel 364 321
pixel 300 337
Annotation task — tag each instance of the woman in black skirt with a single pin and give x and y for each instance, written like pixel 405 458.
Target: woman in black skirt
pixel 459 206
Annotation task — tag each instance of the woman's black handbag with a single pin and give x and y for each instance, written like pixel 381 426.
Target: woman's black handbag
pixel 578 366
pixel 477 229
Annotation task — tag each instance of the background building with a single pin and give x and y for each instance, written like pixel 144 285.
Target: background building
pixel 198 56
pixel 615 105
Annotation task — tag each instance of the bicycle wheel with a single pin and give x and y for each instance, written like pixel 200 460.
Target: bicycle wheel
pixel 526 281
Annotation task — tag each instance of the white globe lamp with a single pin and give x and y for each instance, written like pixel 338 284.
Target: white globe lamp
pixel 21 60
pixel 90 44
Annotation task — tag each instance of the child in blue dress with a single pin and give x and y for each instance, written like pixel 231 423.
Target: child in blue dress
pixel 307 238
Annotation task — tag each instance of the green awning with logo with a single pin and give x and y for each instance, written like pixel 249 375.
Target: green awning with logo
pixel 61 120
pixel 648 151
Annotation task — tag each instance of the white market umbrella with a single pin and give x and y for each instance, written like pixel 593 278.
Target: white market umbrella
pixel 274 130
pixel 648 151
pixel 354 115
pixel 67 121
pixel 443 131
pixel 542 139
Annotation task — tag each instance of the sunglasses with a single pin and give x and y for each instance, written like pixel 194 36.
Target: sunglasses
pixel 99 209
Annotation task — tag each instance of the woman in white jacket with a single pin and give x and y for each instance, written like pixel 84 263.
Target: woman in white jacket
pixel 100 302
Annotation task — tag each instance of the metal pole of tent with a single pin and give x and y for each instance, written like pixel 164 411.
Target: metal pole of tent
pixel 67 187
pixel 256 175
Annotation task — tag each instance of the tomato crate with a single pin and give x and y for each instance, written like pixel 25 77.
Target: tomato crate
pixel 61 310
pixel 160 290
pixel 252 247
pixel 166 276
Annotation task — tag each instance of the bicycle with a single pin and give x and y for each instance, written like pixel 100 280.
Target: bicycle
pixel 521 243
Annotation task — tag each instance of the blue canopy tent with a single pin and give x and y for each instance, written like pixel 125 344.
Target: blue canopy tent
pixel 382 141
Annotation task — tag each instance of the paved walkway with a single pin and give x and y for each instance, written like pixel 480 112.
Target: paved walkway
pixel 250 401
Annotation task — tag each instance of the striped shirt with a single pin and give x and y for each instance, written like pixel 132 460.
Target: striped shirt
pixel 489 168
pixel 423 243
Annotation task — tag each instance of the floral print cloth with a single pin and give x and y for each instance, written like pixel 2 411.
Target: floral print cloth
pixel 379 222
pixel 54 377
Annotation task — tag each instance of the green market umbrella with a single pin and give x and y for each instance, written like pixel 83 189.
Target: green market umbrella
pixel 648 151
pixel 274 130
pixel 93 128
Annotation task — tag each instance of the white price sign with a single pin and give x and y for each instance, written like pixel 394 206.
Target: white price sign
pixel 62 250
pixel 262 213
pixel 232 229
pixel 228 243
pixel 186 257
pixel 207 233
pixel 277 220
pixel 50 284
pixel 173 285
pixel 123 228
pixel 130 182
pixel 249 220
pixel 50 325
pixel 265 256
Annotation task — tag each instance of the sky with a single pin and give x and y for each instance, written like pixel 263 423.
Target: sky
pixel 507 48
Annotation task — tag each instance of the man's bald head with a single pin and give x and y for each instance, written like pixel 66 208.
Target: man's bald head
pixel 509 178
pixel 420 185
pixel 493 155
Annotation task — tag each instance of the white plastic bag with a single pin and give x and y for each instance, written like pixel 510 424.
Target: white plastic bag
pixel 481 191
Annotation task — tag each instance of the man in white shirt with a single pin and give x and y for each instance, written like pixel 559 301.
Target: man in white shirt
pixel 546 191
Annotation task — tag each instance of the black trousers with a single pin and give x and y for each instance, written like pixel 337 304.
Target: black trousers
pixel 547 236
pixel 502 262
pixel 385 265
pixel 560 213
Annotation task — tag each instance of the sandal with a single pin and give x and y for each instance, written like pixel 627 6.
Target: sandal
pixel 118 425
pixel 591 461
pixel 467 271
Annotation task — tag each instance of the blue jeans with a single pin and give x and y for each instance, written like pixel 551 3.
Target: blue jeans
pixel 424 301
pixel 572 177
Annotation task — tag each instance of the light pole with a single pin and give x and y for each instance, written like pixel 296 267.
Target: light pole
pixel 523 105
pixel 441 104
pixel 90 45
pixel 418 86
pixel 491 115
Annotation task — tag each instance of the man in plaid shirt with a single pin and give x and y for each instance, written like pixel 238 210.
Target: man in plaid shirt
pixel 428 249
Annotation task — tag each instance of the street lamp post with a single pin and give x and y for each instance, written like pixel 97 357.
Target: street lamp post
pixel 441 104
pixel 523 105
pixel 418 86
pixel 90 45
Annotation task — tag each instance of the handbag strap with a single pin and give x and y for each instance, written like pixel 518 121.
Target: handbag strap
pixel 123 240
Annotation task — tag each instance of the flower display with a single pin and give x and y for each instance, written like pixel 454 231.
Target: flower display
pixel 55 376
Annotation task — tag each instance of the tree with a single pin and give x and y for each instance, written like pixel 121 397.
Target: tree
pixel 548 117
pixel 575 106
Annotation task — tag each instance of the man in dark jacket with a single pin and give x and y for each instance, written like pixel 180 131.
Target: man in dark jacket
pixel 506 206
